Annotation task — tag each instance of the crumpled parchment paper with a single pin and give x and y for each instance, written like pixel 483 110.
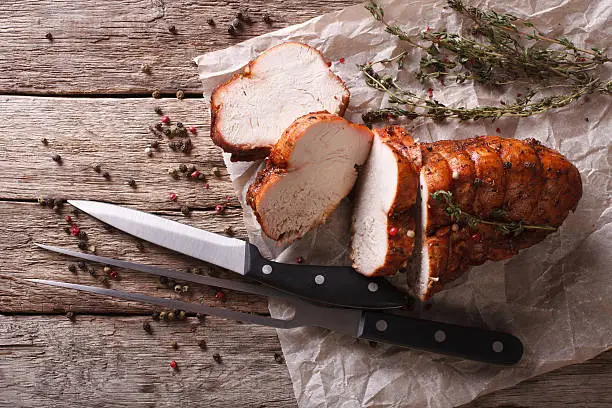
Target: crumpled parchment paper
pixel 555 296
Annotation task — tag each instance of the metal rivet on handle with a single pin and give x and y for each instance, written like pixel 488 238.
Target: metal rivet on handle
pixel 439 336
pixel 266 269
pixel 372 286
pixel 381 325
pixel 498 346
pixel 319 279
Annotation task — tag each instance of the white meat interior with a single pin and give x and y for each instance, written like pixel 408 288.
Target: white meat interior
pixel 376 192
pixel 321 173
pixel 285 83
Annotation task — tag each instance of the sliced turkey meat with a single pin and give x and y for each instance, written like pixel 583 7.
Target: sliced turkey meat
pixel 311 168
pixel 383 227
pixel 496 180
pixel 251 111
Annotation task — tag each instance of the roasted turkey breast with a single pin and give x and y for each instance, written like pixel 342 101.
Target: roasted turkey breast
pixel 496 180
pixel 250 112
pixel 311 168
pixel 383 227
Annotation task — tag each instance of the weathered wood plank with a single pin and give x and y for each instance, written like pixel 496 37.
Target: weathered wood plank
pixel 97 49
pixel 103 360
pixel 107 361
pixel 113 132
pixel 26 223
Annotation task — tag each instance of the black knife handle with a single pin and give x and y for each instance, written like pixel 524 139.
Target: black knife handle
pixel 466 342
pixel 333 285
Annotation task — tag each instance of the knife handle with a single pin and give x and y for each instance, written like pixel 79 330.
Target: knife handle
pixel 466 342
pixel 331 285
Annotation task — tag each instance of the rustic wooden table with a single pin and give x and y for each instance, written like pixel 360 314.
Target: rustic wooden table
pixel 86 92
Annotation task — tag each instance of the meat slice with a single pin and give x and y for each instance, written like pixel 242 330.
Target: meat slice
pixel 310 170
pixel 250 112
pixel 512 181
pixel 383 228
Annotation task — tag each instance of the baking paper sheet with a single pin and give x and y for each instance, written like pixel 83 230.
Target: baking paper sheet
pixel 555 296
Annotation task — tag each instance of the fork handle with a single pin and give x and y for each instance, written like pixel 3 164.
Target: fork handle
pixel 466 342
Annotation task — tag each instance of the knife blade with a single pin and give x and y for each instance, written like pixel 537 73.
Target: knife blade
pixel 333 285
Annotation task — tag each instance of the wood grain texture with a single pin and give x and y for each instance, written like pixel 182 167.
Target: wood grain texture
pixel 49 361
pixel 99 49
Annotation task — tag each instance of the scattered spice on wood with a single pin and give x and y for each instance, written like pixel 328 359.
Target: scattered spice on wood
pixel 158 110
pixel 171 316
pixel 185 210
pixel 70 316
pixel 267 18
pixel 72 268
pixel 172 29
pixel 148 151
pixel 74 230
pixel 147 327
pixel 220 295
pixel 229 231
pixel 178 288
pixel 219 209
pixel 185 289
pixel 202 344
pixel 193 130
pixel 49 36
pixel 154 144
pixel 174 345
pixel 168 133
pixel 82 246
pixel 145 69
pixel 106 175
pixel 156 94
pixel 211 22
pixel 57 158
pixel 180 95
pixel 216 172
pixel 97 168
pixel 114 275
pixel 279 358
pixel 107 269
pixel 217 358
pixel 173 196
pixel 68 219
pixel 132 183
pixel 183 168
pixel 231 30
pixel 165 120
pixel 174 365
pixel 44 141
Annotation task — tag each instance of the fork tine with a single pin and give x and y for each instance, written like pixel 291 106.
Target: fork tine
pixel 175 304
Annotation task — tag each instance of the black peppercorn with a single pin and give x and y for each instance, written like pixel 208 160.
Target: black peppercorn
pixel 159 110
pixel 49 36
pixel 106 175
pixel 82 265
pixel 70 316
pixel 267 19
pixel 82 245
pixel 278 357
pixel 83 235
pixel 172 29
pixel 231 30
pixel 147 327
pixel 229 231
pixel 168 132
pixel 211 22
pixel 202 344
pixel 237 24
pixel 57 158
pixel 72 268
pixel 191 169
pixel 183 168
pixel 185 210
pixel 44 141
pixel 154 144
pixel 132 183
pixel 97 168
pixel 217 358
pixel 174 345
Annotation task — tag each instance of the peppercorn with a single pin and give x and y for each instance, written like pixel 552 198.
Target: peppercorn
pixel 219 209
pixel 217 358
pixel 278 357
pixel 173 173
pixel 267 19
pixel 97 168
pixel 146 69
pixel 154 144
pixel 155 315
pixel 44 141
pixel 168 133
pixel 82 245
pixel 231 30
pixel 173 196
pixel 92 249
pixel 182 315
pixel 82 265
pixel 202 344
pixel 41 201
pixel 178 288
pixel 106 175
pixel 147 327
pixel 172 29
pixel 158 110
pixel 211 22
pixel 220 295
pixel 180 95
pixel 156 94
pixel 185 288
pixel 67 230
pixel 132 183
pixel 83 235
pixel 183 168
pixel 163 315
pixel 49 36
pixel 92 272
pixel 72 268
pixel 174 345
pixel 193 130
pixel 186 146
pixel 57 158
pixel 174 365
pixel 70 316
pixel 114 275
pixel 170 316
pixel 216 172
pixel 229 231
pixel 185 210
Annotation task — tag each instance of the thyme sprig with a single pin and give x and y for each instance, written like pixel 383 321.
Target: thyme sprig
pixel 506 228
pixel 500 53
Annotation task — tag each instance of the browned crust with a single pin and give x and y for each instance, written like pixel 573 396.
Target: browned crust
pixel 278 162
pixel 408 159
pixel 540 187
pixel 246 151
